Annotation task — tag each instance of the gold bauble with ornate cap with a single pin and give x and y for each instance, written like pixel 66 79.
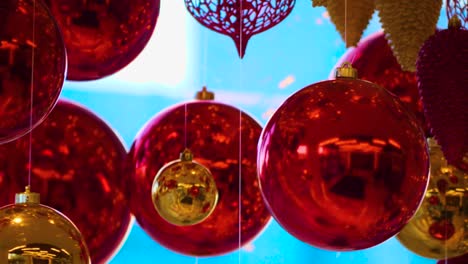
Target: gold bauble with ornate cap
pixel 34 233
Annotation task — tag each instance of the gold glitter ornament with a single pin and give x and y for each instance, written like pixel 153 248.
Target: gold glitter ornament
pixel 350 19
pixel 34 233
pixel 439 228
pixel 407 24
pixel 184 192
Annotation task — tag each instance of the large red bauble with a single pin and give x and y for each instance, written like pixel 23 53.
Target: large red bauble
pixel 240 19
pixel 213 136
pixel 343 165
pixel 28 61
pixel 442 72
pixel 77 162
pixel 374 60
pixel 102 37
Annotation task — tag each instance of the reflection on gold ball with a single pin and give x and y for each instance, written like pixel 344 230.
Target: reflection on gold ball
pixel 439 228
pixel 184 192
pixel 35 233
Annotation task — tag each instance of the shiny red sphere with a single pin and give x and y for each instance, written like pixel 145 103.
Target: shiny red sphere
pixel 77 163
pixel 342 165
pixel 29 59
pixel 213 135
pixel 103 37
pixel 374 60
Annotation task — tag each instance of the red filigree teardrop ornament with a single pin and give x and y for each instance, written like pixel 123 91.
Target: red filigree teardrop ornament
pixel 240 19
pixel 442 81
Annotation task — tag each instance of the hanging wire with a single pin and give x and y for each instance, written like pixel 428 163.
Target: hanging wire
pixel 33 46
pixel 240 136
pixel 185 126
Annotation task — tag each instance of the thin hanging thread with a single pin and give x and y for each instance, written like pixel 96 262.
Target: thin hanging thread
pixel 32 91
pixel 205 57
pixel 240 138
pixel 345 22
pixel 185 126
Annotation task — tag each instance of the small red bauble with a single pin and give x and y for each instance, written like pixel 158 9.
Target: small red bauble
pixel 103 37
pixel 458 260
pixel 28 61
pixel 212 132
pixel 342 164
pixel 443 80
pixel 374 60
pixel 77 163
pixel 240 19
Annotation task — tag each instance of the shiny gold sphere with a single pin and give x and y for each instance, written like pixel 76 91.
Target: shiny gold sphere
pixel 35 233
pixel 184 192
pixel 439 228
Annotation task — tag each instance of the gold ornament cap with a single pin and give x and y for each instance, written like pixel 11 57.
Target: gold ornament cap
pixel 186 155
pixel 204 94
pixel 346 71
pixel 454 22
pixel 27 197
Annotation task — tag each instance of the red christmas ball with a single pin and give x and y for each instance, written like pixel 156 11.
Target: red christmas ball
pixel 239 19
pixel 218 135
pixel 32 56
pixel 374 60
pixel 442 70
pixel 103 37
pixel 77 163
pixel 342 164
pixel 458 260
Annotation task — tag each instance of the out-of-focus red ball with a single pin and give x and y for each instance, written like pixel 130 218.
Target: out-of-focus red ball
pixel 374 60
pixel 213 136
pixel 77 162
pixel 343 165
pixel 103 36
pixel 31 57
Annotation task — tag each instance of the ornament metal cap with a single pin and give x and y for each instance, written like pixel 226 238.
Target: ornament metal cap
pixel 346 71
pixel 204 94
pixel 186 155
pixel 27 196
pixel 454 22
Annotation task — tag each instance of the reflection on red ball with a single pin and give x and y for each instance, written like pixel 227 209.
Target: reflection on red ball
pixel 101 36
pixel 26 58
pixel 213 137
pixel 343 165
pixel 374 60
pixel 77 162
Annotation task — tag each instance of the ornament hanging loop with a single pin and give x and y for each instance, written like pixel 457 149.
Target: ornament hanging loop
pixel 204 94
pixel 186 155
pixel 346 71
pixel 27 196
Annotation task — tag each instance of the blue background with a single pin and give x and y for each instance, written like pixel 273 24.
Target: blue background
pixel 181 57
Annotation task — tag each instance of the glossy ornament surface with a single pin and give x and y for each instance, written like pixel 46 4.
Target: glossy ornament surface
pixel 213 133
pixel 77 166
pixel 103 37
pixel 184 191
pixel 374 60
pixel 439 228
pixel 28 59
pixel 34 233
pixel 442 75
pixel 342 164
pixel 239 19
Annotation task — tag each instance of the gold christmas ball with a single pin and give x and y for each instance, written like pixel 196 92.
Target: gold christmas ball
pixel 439 228
pixel 184 192
pixel 34 233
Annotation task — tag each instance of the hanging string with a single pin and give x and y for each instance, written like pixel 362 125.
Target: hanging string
pixel 205 57
pixel 345 22
pixel 185 126
pixel 240 137
pixel 33 46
